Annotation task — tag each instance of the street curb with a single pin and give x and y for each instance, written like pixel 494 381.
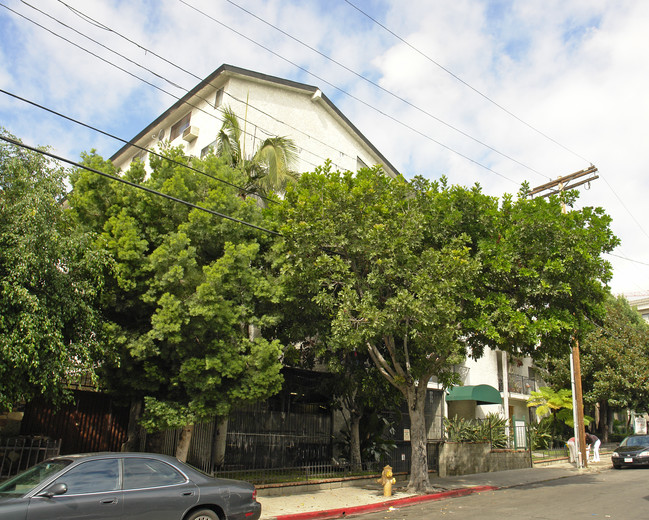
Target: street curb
pixel 381 506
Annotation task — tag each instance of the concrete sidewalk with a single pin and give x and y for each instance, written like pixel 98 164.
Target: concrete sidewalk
pixel 343 501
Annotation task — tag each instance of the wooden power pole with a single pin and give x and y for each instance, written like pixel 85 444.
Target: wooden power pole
pixel 555 187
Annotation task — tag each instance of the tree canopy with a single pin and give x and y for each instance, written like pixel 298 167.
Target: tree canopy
pixel 614 358
pixel 50 282
pixel 420 274
pixel 188 288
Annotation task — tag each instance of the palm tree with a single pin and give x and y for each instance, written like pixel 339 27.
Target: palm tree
pixel 269 169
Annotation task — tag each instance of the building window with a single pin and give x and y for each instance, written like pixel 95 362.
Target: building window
pixel 140 156
pixel 209 148
pixel 219 98
pixel 179 127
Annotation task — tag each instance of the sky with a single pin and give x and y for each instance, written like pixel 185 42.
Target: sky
pixel 491 92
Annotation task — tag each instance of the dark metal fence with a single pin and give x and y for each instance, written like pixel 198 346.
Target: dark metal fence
pixel 398 459
pixel 21 453
pixel 259 438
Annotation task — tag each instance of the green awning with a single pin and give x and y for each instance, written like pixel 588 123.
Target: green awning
pixel 482 394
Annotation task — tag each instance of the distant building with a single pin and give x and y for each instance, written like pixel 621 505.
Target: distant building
pixel 266 106
pixel 641 304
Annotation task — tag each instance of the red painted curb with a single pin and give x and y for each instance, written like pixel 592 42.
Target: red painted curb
pixel 380 506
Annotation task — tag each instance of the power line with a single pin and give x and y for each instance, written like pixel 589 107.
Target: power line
pixel 142 79
pixel 418 51
pixel 134 145
pixel 342 91
pixel 383 89
pixel 137 186
pixel 147 50
pixel 464 82
pixel 626 208
pixel 272 52
pixel 133 62
pixel 628 259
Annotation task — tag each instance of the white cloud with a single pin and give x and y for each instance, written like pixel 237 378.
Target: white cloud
pixel 576 70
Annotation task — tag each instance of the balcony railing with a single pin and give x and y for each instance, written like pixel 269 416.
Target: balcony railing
pixel 519 384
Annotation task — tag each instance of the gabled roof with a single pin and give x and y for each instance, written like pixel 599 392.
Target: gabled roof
pixel 225 71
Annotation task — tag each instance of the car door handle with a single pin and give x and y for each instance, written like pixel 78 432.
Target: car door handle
pixel 188 493
pixel 108 501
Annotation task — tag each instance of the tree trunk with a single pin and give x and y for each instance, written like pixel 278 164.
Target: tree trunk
pixel 419 481
pixel 183 444
pixel 220 438
pixel 355 440
pixel 603 421
pixel 133 430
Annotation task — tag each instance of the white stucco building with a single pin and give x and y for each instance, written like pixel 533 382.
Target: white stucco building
pixel 266 106
pixel 269 106
pixel 495 383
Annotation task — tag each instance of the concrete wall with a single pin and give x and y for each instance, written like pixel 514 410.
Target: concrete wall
pixel 465 458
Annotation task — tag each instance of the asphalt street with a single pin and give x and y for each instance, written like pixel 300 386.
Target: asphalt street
pixel 607 494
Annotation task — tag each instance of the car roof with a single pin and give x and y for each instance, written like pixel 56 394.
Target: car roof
pixel 116 454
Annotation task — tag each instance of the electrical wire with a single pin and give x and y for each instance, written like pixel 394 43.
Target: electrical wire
pixel 96 23
pixel 137 186
pixel 134 145
pixel 418 51
pixel 402 40
pixel 628 259
pixel 184 101
pixel 342 91
pixel 626 208
pixel 383 89
pixel 133 62
pixel 103 26
pixel 269 50
pixel 501 107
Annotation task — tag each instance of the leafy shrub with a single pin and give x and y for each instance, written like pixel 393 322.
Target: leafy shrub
pixel 541 435
pixel 491 429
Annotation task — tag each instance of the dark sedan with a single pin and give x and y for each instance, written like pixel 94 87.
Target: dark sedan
pixel 633 451
pixel 111 486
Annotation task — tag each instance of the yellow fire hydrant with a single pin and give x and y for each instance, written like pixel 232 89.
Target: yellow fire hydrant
pixel 386 481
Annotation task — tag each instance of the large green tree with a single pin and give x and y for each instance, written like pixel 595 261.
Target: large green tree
pixel 50 281
pixel 421 274
pixel 190 291
pixel 614 359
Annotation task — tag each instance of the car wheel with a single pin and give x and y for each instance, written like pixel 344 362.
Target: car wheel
pixel 202 514
pixel 617 466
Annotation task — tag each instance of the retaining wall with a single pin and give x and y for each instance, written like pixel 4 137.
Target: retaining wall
pixel 466 458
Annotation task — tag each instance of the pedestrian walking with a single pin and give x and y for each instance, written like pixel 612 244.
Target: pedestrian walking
pixel 592 440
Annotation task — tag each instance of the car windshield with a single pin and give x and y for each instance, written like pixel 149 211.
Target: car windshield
pixel 31 478
pixel 640 440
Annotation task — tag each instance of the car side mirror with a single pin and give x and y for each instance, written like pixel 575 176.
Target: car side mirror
pixel 55 489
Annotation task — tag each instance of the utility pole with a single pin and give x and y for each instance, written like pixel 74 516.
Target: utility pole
pixel 555 187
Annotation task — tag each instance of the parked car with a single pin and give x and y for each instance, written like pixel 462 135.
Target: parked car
pixel 632 451
pixel 124 485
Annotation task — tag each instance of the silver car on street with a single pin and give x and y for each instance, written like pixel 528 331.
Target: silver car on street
pixel 112 486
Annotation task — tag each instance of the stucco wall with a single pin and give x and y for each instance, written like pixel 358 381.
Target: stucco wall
pixel 268 110
pixel 465 458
